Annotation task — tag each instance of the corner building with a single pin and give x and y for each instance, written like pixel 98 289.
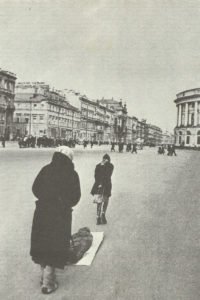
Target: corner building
pixel 7 95
pixel 187 130
pixel 41 110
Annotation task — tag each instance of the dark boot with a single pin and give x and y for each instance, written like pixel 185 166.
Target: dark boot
pixel 49 284
pixel 103 219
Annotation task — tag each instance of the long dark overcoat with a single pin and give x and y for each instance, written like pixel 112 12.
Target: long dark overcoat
pixel 57 189
pixel 102 177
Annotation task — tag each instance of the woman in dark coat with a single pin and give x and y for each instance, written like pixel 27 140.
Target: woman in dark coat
pixel 103 185
pixel 57 189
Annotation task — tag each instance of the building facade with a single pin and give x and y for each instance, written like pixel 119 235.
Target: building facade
pixel 134 129
pixel 153 135
pixel 7 95
pixel 140 131
pixel 129 129
pixel 41 111
pixel 97 121
pixel 88 130
pixel 187 130
pixel 119 131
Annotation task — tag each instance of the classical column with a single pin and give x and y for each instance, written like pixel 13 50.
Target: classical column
pixel 180 113
pixel 195 113
pixel 177 115
pixel 186 114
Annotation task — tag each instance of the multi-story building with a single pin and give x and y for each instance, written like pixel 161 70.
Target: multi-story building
pixel 140 130
pixel 7 95
pixel 41 110
pixel 109 125
pixel 97 121
pixel 109 121
pixel 153 135
pixel 187 130
pixel 120 118
pixel 131 129
pixel 134 129
pixel 129 125
pixel 88 130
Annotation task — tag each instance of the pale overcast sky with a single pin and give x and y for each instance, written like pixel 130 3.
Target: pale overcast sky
pixel 143 51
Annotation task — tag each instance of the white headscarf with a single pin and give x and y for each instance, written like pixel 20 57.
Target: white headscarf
pixel 66 151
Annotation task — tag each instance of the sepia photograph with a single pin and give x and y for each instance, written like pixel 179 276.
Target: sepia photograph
pixel 99 149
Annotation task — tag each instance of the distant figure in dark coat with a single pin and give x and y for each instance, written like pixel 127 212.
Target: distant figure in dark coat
pixel 169 150
pixel 121 147
pixel 134 149
pixel 113 146
pixel 173 150
pixel 57 189
pixel 161 150
pixel 3 141
pixel 85 144
pixel 128 147
pixel 103 185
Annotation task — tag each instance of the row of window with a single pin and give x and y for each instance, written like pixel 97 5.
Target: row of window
pixel 188 132
pixel 26 120
pixel 86 111
pixel 62 110
pixel 61 120
pixel 29 105
pixel 52 108
pixel 188 140
pixel 88 125
pixel 34 116
pixel 181 139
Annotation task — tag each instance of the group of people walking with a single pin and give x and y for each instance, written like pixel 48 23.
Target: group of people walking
pixel 92 143
pixel 31 142
pixel 171 150
pixel 129 147
pixel 57 189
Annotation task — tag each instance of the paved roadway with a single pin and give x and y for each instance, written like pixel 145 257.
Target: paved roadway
pixel 151 249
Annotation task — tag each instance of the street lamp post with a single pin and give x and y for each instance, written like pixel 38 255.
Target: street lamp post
pixel 86 122
pixel 59 108
pixel 30 116
pixel 72 124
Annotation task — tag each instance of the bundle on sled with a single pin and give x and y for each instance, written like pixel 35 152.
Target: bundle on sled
pixel 79 244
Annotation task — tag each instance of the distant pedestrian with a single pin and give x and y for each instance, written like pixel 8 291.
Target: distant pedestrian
pixel 169 150
pixel 134 149
pixel 57 189
pixel 3 141
pixel 85 144
pixel 112 147
pixel 103 186
pixel 127 147
pixel 121 147
pixel 173 152
pixel 161 150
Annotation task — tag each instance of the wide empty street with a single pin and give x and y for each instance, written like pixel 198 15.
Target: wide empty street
pixel 151 249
